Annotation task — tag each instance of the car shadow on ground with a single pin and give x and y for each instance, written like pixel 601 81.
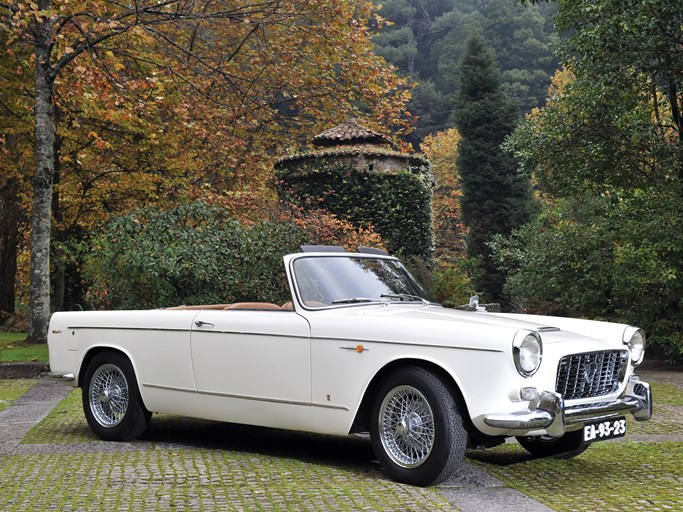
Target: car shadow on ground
pixel 499 458
pixel 341 451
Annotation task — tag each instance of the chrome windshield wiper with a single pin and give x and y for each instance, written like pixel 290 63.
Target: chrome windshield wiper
pixel 405 296
pixel 353 300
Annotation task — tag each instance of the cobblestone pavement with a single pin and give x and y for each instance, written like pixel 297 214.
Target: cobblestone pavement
pixel 169 469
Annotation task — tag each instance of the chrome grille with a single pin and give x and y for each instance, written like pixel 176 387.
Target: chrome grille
pixel 590 374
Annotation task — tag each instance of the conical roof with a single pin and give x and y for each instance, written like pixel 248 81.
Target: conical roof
pixel 352 139
pixel 349 133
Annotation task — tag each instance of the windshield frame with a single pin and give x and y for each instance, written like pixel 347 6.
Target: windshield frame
pixel 296 278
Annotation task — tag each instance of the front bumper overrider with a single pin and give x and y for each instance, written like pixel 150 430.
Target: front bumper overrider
pixel 548 412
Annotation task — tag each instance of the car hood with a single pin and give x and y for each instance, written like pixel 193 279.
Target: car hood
pixel 417 322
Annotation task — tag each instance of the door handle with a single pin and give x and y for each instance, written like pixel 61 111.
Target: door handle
pixel 201 323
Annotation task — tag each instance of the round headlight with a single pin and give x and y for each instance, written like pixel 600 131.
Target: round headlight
pixel 527 352
pixel 634 338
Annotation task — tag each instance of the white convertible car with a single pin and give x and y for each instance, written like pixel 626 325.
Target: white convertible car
pixel 359 349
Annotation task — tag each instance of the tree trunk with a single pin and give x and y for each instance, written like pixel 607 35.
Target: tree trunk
pixel 57 253
pixel 39 290
pixel 678 120
pixel 10 214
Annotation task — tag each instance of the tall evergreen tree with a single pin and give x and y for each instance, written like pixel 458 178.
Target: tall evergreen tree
pixel 496 198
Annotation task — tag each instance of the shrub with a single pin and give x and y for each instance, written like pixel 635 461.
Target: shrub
pixel 452 284
pixel 613 256
pixel 193 253
pixel 200 254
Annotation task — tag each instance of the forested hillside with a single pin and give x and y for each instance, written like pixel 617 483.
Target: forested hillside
pixel 425 40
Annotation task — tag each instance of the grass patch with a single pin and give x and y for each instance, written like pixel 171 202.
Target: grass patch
pixel 14 349
pixel 667 394
pixel 608 476
pixel 11 389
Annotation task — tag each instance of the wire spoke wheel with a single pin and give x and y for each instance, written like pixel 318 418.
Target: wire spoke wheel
pixel 407 428
pixel 416 429
pixel 111 398
pixel 109 395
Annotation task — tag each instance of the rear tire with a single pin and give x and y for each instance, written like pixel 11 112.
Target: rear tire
pixel 416 429
pixel 569 445
pixel 111 398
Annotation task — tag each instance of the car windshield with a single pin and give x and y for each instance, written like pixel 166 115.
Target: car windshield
pixel 337 280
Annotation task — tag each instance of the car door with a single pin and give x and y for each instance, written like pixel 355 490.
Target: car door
pixel 252 354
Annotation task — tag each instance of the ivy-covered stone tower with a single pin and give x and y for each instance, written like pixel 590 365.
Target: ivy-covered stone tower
pixel 359 175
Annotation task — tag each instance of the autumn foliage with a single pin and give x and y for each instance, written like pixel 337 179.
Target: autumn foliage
pixel 442 150
pixel 179 101
pixel 137 126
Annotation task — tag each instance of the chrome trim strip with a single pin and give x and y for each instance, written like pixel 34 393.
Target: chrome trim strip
pixel 169 388
pixel 244 397
pixel 166 329
pixel 250 333
pixel 112 328
pixel 351 340
pixel 333 340
pixel 548 329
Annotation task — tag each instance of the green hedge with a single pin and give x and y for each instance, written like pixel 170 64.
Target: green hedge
pixel 398 204
pixel 191 254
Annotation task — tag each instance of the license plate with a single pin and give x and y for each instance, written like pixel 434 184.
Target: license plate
pixel 602 430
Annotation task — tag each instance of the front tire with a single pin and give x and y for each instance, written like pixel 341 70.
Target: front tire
pixel 416 429
pixel 569 445
pixel 111 399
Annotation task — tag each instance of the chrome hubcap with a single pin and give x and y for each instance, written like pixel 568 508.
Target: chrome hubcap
pixel 406 426
pixel 108 395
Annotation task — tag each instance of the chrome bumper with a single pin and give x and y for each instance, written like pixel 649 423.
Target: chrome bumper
pixel 549 412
